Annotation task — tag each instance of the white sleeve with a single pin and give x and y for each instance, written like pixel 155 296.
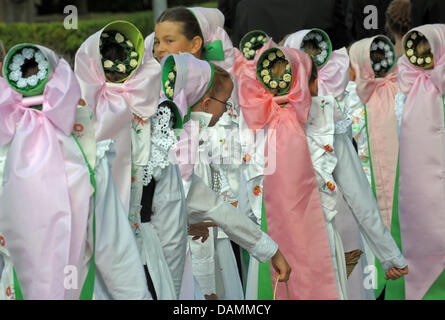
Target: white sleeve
pixel 169 219
pixel 203 204
pixel 358 194
pixel 117 256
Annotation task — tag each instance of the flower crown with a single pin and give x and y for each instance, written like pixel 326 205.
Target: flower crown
pixel 16 61
pixel 384 45
pixel 252 42
pixel 424 61
pixel 169 80
pixel 129 63
pixel 323 43
pixel 264 71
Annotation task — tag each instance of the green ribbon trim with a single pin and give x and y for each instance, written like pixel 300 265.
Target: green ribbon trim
pixel 214 51
pixel 88 286
pixel 265 291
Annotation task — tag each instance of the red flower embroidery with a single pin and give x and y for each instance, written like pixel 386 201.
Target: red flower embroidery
pixel 8 291
pixel 2 241
pixel 331 185
pixel 136 226
pixel 257 191
pixel 328 148
pixel 78 128
pixel 247 157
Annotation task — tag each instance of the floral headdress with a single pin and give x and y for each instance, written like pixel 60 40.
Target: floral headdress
pixel 264 71
pixel 323 42
pixel 127 36
pixel 16 59
pixel 252 42
pixel 385 46
pixel 424 61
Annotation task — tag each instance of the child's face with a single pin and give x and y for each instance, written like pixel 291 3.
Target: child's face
pixel 216 104
pixel 169 39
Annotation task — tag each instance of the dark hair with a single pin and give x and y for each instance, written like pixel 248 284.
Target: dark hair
pixel 398 17
pixel 30 68
pixel 190 25
pixel 112 51
pixel 376 57
pixel 314 71
pixel 311 48
pixel 219 77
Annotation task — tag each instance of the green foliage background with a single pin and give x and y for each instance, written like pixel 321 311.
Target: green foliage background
pixel 66 42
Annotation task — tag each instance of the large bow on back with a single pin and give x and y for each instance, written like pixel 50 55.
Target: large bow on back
pixel 294 214
pixel 35 209
pixel 114 104
pixel 378 94
pixel 422 157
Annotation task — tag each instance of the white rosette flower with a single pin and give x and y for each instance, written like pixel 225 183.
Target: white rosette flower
pixel 272 56
pixel 246 51
pixel 381 45
pixel 264 40
pixel 266 63
pixel 410 52
pixel 167 84
pixel 32 81
pixel 171 76
pixel 280 54
pixel 28 53
pixel 22 83
pixel 15 75
pixel 133 54
pixel 43 65
pixel 41 74
pixel 323 45
pixel 414 36
pixel 264 72
pixel 287 77
pixel 266 79
pixel 14 66
pixel 108 64
pixel 389 54
pixel 119 38
pixel 130 44
pixel 428 60
pixel 387 47
pixel 319 59
pixel 318 37
pixel 273 84
pixel 18 59
pixel 105 35
pixel 121 68
pixel 420 61
pixel 283 84
pixel 410 44
pixel 413 59
pixel 384 63
pixel 251 53
pixel 390 61
pixel 133 63
pixel 324 54
pixel 253 40
pixel 260 38
pixel 288 67
pixel 39 57
pixel 374 47
pixel 377 67
pixel 248 45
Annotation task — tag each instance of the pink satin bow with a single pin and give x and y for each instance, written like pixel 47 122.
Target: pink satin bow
pixel 36 214
pixel 294 214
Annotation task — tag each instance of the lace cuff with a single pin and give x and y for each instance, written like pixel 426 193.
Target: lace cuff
pixel 265 249
pixel 162 139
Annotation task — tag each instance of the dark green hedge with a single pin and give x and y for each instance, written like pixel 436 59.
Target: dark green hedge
pixel 66 42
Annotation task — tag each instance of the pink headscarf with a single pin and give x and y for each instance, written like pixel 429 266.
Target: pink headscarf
pixel 378 95
pixel 193 80
pixel 422 173
pixel 211 21
pixel 115 104
pixel 45 203
pixel 333 77
pixel 294 214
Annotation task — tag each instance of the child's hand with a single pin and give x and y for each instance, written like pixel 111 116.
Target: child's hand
pixel 395 273
pixel 281 266
pixel 200 230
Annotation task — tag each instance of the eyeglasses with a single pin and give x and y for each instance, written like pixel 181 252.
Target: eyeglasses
pixel 229 105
